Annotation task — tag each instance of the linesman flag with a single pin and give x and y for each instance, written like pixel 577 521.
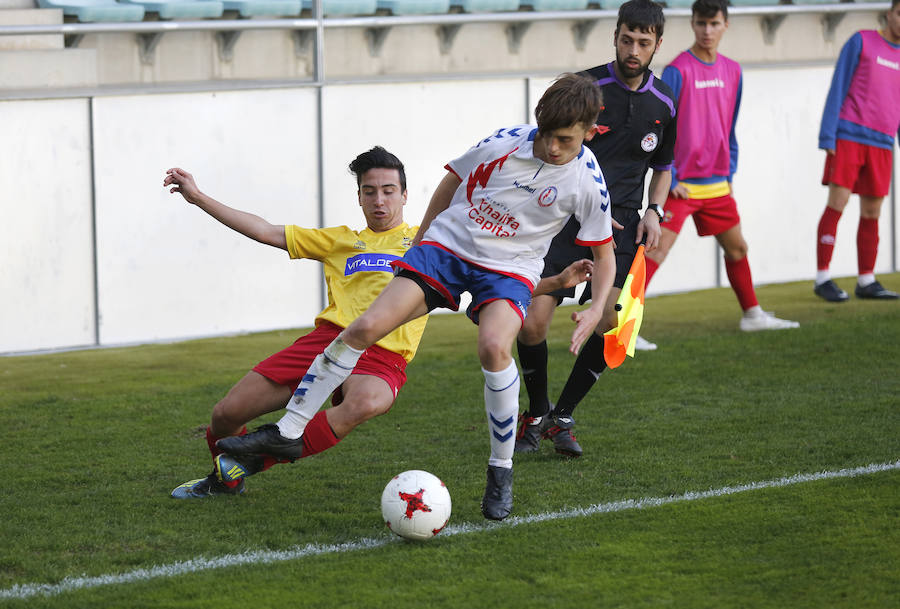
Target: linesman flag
pixel 619 342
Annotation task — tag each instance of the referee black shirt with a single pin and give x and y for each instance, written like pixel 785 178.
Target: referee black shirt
pixel 636 132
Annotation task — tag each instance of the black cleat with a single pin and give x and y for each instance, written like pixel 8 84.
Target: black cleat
pixel 563 439
pixel 205 487
pixel 528 438
pixel 875 291
pixel 830 292
pixel 498 498
pixel 265 440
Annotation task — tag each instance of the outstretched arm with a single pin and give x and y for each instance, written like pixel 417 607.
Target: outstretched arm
pixel 245 223
pixel 604 274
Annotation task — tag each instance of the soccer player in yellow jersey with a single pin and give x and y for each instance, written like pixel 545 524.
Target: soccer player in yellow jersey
pixel 357 265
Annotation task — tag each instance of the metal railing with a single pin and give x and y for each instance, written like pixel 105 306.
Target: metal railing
pixel 310 31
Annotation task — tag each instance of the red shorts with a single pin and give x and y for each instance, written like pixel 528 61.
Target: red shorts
pixel 711 216
pixel 865 170
pixel 289 365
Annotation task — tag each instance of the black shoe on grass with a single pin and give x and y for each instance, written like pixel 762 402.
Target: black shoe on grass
pixel 830 292
pixel 265 440
pixel 875 291
pixel 560 432
pixel 528 438
pixel 498 498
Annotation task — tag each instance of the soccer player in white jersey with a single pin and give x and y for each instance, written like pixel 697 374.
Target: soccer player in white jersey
pixel 486 231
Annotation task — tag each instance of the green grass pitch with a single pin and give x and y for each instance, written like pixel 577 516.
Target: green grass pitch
pixel 93 442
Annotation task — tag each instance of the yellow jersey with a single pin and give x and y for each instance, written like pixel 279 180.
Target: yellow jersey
pixel 357 266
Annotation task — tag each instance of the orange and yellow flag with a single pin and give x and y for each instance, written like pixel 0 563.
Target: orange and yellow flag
pixel 619 342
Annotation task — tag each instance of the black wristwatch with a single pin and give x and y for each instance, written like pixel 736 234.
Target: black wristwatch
pixel 657 210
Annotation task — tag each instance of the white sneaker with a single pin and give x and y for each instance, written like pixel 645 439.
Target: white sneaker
pixel 642 344
pixel 763 320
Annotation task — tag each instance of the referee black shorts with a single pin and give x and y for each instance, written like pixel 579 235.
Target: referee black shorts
pixel 563 251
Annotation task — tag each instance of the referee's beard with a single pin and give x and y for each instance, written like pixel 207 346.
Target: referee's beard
pixel 629 72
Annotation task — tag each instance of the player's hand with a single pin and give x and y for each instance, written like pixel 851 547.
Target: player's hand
pixel 616 225
pixel 649 226
pixel 577 272
pixel 680 191
pixel 183 183
pixel 830 151
pixel 585 322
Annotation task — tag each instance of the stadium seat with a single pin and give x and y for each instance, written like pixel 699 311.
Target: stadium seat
pixel 181 9
pixel 415 7
pixel 556 5
pixel 345 7
pixel 486 6
pixel 271 8
pixel 96 10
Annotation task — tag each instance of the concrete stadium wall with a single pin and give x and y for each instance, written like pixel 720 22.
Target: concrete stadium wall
pixel 86 173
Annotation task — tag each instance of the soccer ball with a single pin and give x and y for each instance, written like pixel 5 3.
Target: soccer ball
pixel 415 505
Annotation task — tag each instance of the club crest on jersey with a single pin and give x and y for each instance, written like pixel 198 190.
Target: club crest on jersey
pixel 369 262
pixel 407 242
pixel 648 144
pixel 547 196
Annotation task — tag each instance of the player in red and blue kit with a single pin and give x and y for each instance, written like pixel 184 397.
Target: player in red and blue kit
pixel 708 87
pixel 486 231
pixel 861 118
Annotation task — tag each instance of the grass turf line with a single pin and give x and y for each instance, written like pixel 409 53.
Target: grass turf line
pixel 25 591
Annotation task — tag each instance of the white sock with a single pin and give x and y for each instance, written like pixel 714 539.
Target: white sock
pixel 754 311
pixel 866 279
pixel 327 372
pixel 822 276
pixel 501 402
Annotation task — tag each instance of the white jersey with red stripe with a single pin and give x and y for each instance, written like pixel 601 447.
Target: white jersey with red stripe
pixel 510 204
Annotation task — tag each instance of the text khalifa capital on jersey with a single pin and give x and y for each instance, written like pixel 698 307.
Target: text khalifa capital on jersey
pixel 490 216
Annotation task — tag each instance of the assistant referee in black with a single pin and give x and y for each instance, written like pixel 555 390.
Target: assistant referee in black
pixel 635 132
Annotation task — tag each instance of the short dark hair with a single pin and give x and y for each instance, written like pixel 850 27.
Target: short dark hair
pixel 644 15
pixel 894 3
pixel 709 8
pixel 570 99
pixel 377 158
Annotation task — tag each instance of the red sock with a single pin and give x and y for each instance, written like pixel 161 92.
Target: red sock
pixel 216 451
pixel 825 238
pixel 867 245
pixel 741 281
pixel 318 435
pixel 652 265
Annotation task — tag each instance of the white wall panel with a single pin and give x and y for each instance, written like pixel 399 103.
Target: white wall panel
pixel 168 270
pixel 424 124
pixel 46 260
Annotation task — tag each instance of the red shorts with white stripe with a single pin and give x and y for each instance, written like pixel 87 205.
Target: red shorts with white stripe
pixel 289 365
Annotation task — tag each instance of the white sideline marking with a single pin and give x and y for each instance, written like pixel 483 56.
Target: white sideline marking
pixel 23 591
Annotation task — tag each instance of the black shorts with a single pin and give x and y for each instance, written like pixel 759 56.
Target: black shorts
pixel 563 250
